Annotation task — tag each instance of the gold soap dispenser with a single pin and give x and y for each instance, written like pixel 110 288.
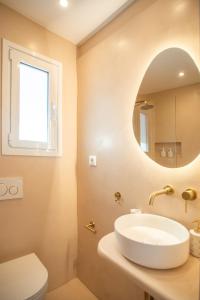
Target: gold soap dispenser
pixel 195 239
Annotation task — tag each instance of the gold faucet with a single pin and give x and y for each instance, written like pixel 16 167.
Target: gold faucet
pixel 167 190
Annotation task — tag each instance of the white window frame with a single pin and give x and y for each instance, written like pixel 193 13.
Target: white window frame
pixel 13 55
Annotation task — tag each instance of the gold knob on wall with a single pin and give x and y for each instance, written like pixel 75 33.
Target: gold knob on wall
pixel 118 196
pixel 189 194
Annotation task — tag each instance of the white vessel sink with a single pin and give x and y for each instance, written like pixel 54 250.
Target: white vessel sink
pixel 152 241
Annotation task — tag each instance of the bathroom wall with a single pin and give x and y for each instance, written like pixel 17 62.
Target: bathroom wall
pixel 111 66
pixel 45 221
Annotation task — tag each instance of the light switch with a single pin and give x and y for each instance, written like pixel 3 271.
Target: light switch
pixel 11 188
pixel 92 160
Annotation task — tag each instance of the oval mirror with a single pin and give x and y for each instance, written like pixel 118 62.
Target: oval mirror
pixel 166 118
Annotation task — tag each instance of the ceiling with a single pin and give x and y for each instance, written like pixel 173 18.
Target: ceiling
pixel 163 72
pixel 77 22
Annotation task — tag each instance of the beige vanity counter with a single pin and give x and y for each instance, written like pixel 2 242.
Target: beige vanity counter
pixel 176 284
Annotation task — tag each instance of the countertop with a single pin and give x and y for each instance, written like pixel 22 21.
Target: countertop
pixel 181 283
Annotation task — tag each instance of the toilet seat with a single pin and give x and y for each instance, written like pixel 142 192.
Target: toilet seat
pixel 23 278
pixel 40 294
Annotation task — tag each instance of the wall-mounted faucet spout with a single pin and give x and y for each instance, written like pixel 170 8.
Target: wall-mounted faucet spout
pixel 167 190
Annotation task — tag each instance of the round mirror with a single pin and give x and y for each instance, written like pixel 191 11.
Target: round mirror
pixel 166 118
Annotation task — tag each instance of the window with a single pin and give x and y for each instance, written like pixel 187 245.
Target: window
pixel 31 103
pixel 144 143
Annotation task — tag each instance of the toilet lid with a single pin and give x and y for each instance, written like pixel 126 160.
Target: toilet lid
pixel 22 278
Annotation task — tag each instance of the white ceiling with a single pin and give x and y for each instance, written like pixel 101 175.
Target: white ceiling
pixel 78 21
pixel 162 73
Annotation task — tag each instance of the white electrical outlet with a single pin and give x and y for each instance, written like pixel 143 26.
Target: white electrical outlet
pixel 92 160
pixel 11 188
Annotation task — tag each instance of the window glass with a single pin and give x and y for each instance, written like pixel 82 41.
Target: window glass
pixel 144 144
pixel 33 106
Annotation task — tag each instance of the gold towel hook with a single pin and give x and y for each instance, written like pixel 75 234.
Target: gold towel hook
pixel 91 226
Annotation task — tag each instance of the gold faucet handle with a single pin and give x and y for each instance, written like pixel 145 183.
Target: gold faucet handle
pixel 189 195
pixel 169 189
pixel 197 229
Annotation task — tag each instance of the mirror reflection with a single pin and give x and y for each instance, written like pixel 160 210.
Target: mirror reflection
pixel 166 118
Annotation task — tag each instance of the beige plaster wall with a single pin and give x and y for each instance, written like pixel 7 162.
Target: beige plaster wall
pixel 45 221
pixel 111 66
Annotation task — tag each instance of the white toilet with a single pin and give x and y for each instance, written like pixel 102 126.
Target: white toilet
pixel 24 278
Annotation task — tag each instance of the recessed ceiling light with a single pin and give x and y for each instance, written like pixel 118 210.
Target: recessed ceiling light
pixel 64 3
pixel 181 74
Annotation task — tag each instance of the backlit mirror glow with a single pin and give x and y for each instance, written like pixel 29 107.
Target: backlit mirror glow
pixel 166 118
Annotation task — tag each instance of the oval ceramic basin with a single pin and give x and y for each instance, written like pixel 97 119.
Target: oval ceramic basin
pixel 152 241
